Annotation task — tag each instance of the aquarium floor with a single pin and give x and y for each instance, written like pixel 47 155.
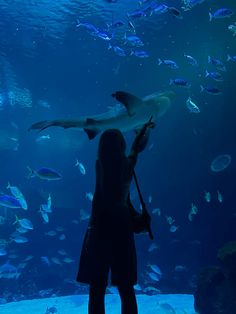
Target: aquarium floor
pixel 77 304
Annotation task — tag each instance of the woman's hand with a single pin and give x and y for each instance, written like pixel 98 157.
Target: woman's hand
pixel 142 137
pixel 150 124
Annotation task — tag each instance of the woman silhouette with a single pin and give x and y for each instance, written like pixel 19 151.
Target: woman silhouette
pixel 109 240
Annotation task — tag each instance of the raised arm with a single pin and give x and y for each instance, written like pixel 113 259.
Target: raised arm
pixel 141 140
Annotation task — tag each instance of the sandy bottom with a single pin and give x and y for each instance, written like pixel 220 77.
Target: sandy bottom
pixel 77 304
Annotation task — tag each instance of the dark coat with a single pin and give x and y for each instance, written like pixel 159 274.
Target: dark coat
pixel 109 239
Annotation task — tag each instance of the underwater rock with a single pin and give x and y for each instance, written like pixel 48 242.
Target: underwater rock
pixel 209 281
pixel 216 287
pixel 227 257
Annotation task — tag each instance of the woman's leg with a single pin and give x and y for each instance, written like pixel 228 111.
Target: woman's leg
pixel 96 298
pixel 128 299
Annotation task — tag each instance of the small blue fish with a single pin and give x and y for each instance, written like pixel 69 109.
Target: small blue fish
pixel 50 233
pixel 191 60
pixel 175 13
pixel 44 173
pixel 215 76
pixel 90 27
pixel 137 287
pixel 220 14
pixel 140 54
pixel 21 230
pixel 180 268
pixel 18 195
pixel 152 247
pixel 19 239
pixel 210 90
pixel 103 35
pixel 150 8
pixel 44 215
pixel 189 4
pixel 134 40
pixel 45 260
pixel 192 106
pixel 141 2
pixel 180 82
pixel 3 252
pixel 23 203
pixel 160 9
pixel 156 269
pixel 232 28
pixel 44 208
pixel 15 191
pixel 81 167
pixel 62 237
pixel 8 271
pixel 42 138
pixel 154 276
pixel 149 199
pixel 174 228
pixel 9 201
pixel 131 26
pixel 217 63
pixel 116 24
pixel 171 64
pixel 118 50
pixel 231 58
pixel 24 223
pixel 136 14
pixel 89 196
pixel 84 215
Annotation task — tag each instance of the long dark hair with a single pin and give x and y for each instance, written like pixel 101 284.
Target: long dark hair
pixel 111 153
pixel 111 146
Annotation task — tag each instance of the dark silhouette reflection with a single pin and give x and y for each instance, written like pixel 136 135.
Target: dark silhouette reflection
pixel 109 240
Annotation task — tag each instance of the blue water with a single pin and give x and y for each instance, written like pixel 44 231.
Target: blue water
pixel 49 69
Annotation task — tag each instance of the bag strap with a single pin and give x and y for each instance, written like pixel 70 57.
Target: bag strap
pixel 144 208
